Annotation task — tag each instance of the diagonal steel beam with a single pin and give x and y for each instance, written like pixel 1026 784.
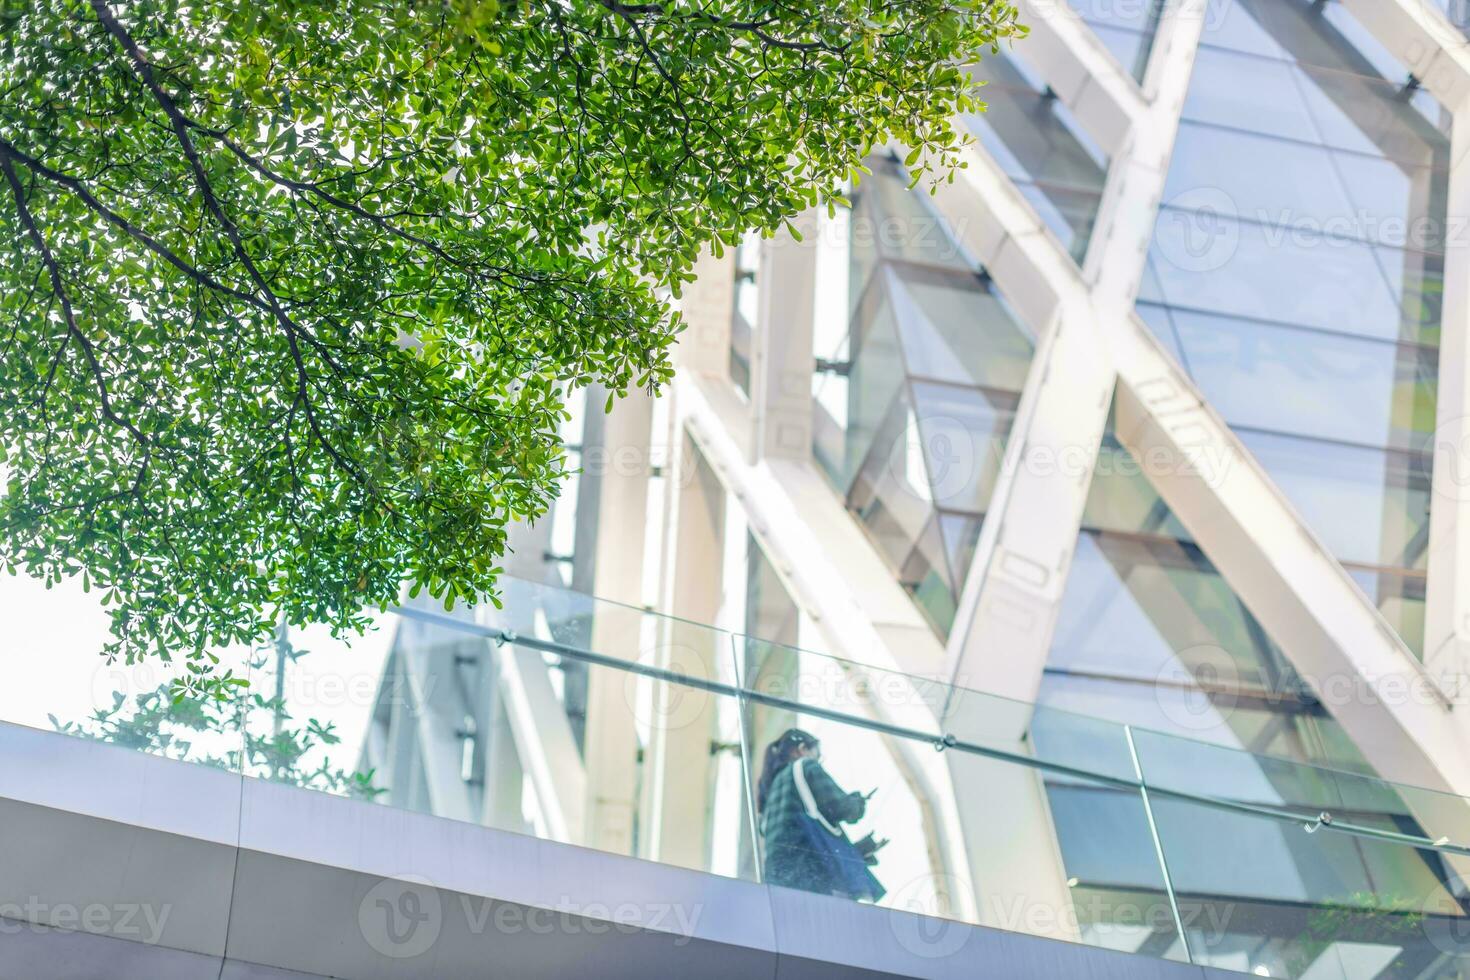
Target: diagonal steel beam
pixel 1013 592
pixel 1083 74
pixel 1333 634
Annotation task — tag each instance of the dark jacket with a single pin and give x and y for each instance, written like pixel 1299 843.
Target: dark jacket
pixel 796 853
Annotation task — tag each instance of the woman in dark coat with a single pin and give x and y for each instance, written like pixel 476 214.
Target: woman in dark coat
pixel 801 810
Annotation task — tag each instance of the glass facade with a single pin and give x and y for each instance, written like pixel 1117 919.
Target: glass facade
pixel 1153 637
pixel 1151 634
pixel 1125 27
pixel 1297 274
pixel 1041 148
pixel 913 406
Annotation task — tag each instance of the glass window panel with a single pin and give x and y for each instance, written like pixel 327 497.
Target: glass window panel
pixel 1129 48
pixel 1035 141
pixel 1159 320
pixel 1268 181
pixel 940 326
pixel 1155 609
pixel 961 533
pixel 1373 115
pixel 1024 131
pixel 1280 726
pixel 1122 499
pixel 1401 205
pixel 1313 105
pixel 1117 888
pixel 1368 505
pixel 1400 597
pixel 1298 30
pixel 1251 94
pixel 1204 260
pixel 1069 214
pixel 1311 383
pixel 928 575
pixel 893 222
pixel 1417 278
pixel 1238 25
pixel 956 330
pixel 891 499
pixel 891 494
pixel 1281 902
pixel 963 433
pixel 874 380
pixel 1140 15
pixel 1307 192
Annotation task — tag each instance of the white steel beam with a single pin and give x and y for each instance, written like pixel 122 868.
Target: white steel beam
pixel 1330 631
pixel 1327 627
pixel 1447 608
pixel 544 743
pixel 1083 74
pixel 833 573
pixel 1438 54
pixel 1013 592
pixel 781 351
pixel 1419 34
pixel 676 783
pixel 707 304
pixel 621 466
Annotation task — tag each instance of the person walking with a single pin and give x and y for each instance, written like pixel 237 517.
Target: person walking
pixel 801 811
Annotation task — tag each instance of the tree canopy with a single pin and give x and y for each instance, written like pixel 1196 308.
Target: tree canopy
pixel 291 292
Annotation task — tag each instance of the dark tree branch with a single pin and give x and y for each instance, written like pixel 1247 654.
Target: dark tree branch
pixel 68 312
pixel 132 231
pixel 181 128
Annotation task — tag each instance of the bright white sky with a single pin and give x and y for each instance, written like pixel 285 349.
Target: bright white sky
pixel 51 665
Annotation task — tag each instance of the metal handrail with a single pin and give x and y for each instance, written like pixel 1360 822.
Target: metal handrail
pixel 941 741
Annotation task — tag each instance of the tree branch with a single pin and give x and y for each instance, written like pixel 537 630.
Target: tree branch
pixel 74 332
pixel 181 127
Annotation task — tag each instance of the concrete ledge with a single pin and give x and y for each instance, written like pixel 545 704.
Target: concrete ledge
pixel 315 886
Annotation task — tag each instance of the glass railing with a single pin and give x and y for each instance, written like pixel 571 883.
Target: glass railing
pixel 608 726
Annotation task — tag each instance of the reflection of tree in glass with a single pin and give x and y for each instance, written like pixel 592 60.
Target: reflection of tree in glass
pixel 168 721
pixel 1362 917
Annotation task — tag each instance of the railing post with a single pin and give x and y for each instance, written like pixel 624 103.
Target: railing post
pixel 748 757
pixel 1153 830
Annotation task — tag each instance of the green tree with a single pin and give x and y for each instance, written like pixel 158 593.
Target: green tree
pixel 291 292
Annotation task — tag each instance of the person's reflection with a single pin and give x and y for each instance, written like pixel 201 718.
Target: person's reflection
pixel 801 812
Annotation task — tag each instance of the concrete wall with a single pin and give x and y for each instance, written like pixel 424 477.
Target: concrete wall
pixel 118 865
